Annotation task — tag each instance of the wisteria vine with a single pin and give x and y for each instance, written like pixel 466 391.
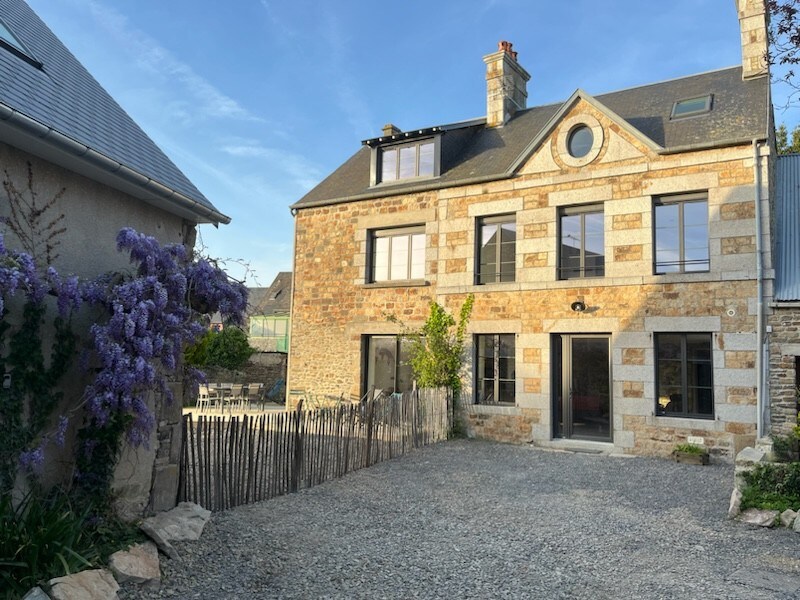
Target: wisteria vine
pixel 146 319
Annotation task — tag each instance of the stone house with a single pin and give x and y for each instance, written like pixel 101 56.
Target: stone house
pixel 59 124
pixel 617 246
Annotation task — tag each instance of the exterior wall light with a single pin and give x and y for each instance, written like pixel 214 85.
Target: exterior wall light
pixel 578 306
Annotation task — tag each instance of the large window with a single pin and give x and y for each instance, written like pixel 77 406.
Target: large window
pixel 387 365
pixel 406 161
pixel 270 334
pixel 495 374
pixel 397 254
pixel 681 234
pixel 684 369
pixel 497 249
pixel 582 245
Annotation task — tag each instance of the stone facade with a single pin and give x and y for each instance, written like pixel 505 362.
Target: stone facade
pixel 783 367
pixel 334 305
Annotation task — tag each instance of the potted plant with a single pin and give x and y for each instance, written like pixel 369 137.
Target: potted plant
pixel 690 453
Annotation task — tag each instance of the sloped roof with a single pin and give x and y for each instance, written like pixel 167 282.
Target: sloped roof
pixel 272 300
pixel 473 152
pixel 62 114
pixel 787 228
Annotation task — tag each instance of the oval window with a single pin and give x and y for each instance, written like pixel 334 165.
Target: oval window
pixel 580 141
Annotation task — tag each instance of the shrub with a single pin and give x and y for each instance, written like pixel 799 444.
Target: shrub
pixel 772 486
pixel 689 449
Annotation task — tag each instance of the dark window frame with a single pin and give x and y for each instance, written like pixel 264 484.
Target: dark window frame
pixel 681 200
pixel 571 211
pixel 499 221
pixel 478 375
pixel 17 47
pixel 684 383
pixel 376 164
pixel 408 231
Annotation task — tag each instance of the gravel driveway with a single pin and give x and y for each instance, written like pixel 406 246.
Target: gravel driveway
pixel 472 519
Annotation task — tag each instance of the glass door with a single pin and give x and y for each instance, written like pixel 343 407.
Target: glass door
pixel 582 387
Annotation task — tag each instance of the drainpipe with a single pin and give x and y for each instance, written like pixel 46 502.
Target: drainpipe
pixel 760 293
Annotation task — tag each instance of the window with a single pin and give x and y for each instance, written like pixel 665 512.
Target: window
pixel 407 161
pixel 397 254
pixel 691 106
pixel 387 365
pixel 582 246
pixel 497 249
pixel 10 42
pixel 681 234
pixel 684 369
pixel 495 373
pixel 580 141
pixel 271 333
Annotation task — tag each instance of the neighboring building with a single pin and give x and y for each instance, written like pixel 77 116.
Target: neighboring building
pixel 56 118
pixel 610 242
pixel 268 314
pixel 784 322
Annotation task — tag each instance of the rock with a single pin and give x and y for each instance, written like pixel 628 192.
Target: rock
pixel 736 503
pixel 751 456
pixel 756 516
pixel 796 525
pixel 787 517
pixel 96 584
pixel 36 594
pixel 138 564
pixel 163 544
pixel 183 523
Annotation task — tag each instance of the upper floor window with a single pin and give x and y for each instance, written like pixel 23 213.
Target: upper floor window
pixel 497 249
pixel 681 234
pixel 397 254
pixel 582 242
pixel 11 43
pixel 406 161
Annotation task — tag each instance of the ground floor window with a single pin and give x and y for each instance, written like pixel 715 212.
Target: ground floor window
pixel 684 375
pixel 386 364
pixel 495 373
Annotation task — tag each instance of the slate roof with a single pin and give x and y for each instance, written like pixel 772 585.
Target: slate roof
pixel 472 152
pixel 61 113
pixel 273 300
pixel 787 228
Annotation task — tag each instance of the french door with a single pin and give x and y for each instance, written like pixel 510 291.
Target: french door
pixel 581 386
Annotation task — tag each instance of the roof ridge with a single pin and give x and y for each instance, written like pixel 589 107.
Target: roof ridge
pixel 670 80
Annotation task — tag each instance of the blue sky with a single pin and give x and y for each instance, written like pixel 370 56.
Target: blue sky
pixel 258 100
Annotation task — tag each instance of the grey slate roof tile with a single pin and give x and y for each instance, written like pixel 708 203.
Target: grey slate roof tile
pixel 65 97
pixel 739 114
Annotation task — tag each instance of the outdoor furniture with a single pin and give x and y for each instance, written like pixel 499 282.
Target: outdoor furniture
pixel 203 398
pixel 236 397
pixel 275 393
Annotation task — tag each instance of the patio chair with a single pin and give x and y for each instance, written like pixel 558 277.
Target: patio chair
pixel 275 393
pixel 203 398
pixel 237 398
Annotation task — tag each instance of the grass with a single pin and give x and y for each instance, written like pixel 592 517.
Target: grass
pixel 772 486
pixel 690 449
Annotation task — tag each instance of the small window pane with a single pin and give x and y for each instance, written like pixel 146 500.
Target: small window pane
pixel 418 256
pixel 426 160
pixel 389 165
pixel 691 106
pixel 8 37
pixel 381 259
pixel 408 162
pixel 399 266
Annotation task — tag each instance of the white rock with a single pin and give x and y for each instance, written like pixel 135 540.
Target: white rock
pixel 756 516
pixel 796 526
pixel 736 503
pixel 97 584
pixel 751 456
pixel 138 564
pixel 787 517
pixel 184 522
pixel 163 544
pixel 36 594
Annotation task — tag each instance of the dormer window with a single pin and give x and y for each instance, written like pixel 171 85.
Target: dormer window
pixel 407 161
pixel 691 107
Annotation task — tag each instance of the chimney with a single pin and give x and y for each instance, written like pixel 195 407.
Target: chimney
pixel 390 130
pixel 505 85
pixel 753 27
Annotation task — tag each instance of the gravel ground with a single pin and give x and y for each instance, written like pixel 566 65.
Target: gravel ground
pixel 472 519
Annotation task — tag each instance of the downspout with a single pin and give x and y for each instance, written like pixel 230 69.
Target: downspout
pixel 760 297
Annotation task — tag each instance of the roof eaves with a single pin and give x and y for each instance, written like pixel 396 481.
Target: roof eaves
pixel 708 146
pixel 548 127
pixel 399 191
pixel 93 159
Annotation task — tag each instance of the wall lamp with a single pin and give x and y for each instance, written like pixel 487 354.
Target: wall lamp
pixel 578 306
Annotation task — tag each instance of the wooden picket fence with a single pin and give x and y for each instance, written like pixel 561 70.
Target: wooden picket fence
pixel 230 462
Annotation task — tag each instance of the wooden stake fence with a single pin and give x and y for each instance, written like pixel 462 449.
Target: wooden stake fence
pixel 227 463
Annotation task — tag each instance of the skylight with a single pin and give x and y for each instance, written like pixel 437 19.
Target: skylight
pixel 691 106
pixel 10 42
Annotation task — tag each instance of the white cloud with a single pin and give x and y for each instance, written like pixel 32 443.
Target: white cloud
pixel 301 172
